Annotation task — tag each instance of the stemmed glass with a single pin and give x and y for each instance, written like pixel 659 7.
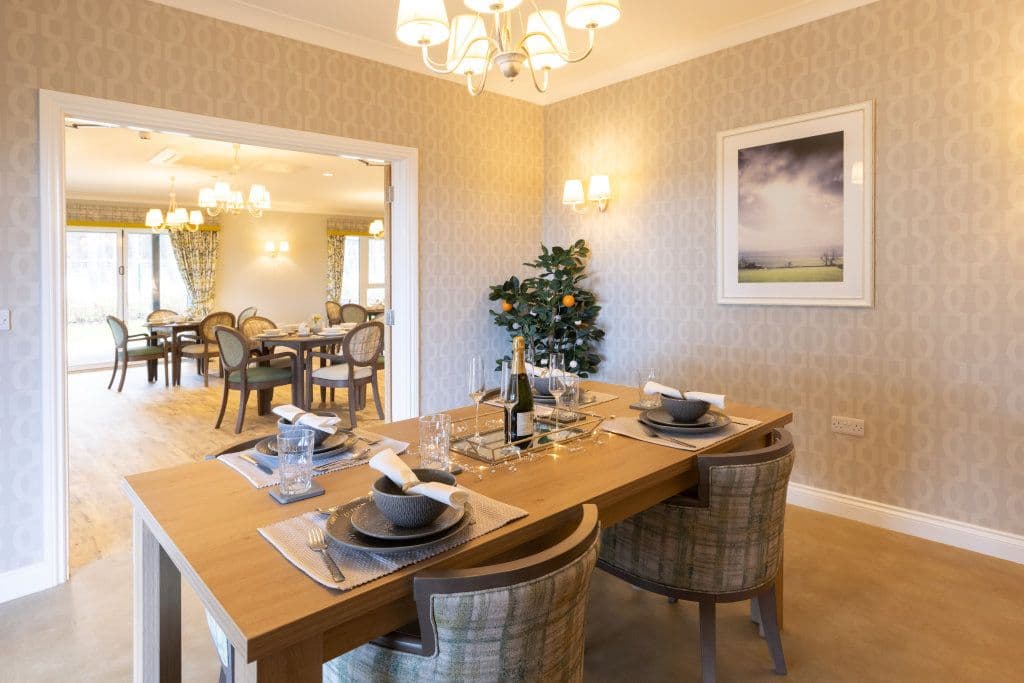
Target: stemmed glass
pixel 571 399
pixel 477 389
pixel 509 399
pixel 556 382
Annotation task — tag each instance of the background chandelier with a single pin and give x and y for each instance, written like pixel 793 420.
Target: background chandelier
pixel 472 52
pixel 376 229
pixel 177 217
pixel 222 198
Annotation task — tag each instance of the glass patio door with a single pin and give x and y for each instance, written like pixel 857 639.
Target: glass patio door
pixel 121 272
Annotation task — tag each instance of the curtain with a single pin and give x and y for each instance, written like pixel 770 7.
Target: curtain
pixel 196 254
pixel 335 266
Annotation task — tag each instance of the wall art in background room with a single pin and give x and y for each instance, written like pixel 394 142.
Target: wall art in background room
pixel 795 210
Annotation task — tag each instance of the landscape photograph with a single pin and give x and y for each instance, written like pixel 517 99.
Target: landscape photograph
pixel 790 211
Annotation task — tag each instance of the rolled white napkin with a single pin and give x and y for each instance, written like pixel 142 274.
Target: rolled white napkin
pixel 324 423
pixel 717 400
pixel 538 371
pixel 394 468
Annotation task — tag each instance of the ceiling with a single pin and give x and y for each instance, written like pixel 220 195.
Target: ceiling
pixel 651 34
pixel 114 164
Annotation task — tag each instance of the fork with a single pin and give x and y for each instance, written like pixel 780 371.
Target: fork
pixel 318 543
pixel 652 432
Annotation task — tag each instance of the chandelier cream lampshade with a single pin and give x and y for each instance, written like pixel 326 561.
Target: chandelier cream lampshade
pixel 177 217
pixel 376 229
pixel 222 198
pixel 472 50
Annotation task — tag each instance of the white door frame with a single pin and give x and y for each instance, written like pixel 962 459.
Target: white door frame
pixel 403 270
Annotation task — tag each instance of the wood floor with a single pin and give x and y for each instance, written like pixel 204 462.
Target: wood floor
pixel 146 427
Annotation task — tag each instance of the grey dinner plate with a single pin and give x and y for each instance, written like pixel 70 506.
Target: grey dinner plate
pixel 720 422
pixel 340 529
pixel 333 446
pixel 368 520
pixel 660 416
pixel 549 400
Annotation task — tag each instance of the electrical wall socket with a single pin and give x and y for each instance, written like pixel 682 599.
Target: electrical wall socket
pixel 847 425
pixel 5 318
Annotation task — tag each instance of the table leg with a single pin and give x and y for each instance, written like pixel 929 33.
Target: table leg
pixel 264 397
pixel 151 369
pixel 176 357
pixel 300 663
pixel 156 608
pixel 304 362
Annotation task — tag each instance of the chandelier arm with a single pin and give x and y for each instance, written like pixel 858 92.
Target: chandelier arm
pixel 567 55
pixel 533 72
pixel 444 69
pixel 469 82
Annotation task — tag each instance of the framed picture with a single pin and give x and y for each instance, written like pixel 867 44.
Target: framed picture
pixel 796 210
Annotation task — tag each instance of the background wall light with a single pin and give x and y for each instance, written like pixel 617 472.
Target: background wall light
pixel 599 192
pixel 276 248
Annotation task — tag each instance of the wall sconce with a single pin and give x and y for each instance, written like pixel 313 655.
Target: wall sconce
pixel 376 229
pixel 275 249
pixel 599 192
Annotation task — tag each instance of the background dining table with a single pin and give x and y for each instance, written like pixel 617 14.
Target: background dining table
pixel 175 330
pixel 282 625
pixel 303 346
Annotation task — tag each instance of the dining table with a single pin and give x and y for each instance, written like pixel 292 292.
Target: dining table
pixel 199 522
pixel 303 346
pixel 174 330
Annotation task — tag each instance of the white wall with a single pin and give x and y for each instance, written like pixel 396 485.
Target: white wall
pixel 286 288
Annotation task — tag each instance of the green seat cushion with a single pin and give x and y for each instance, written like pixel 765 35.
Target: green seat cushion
pixel 136 351
pixel 262 374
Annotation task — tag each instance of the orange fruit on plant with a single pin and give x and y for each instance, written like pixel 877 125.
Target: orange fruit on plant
pixel 568 301
pixel 506 306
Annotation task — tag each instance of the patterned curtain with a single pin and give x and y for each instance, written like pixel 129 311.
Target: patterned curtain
pixel 335 266
pixel 196 254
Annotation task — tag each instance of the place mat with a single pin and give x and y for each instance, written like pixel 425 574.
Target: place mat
pixel 262 480
pixel 631 427
pixel 599 397
pixel 289 538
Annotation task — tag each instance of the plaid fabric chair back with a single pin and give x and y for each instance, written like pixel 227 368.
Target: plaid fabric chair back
pixel 212 321
pixel 364 344
pixel 234 348
pixel 118 329
pixel 333 312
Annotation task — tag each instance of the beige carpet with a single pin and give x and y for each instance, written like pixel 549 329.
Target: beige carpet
pixel 862 605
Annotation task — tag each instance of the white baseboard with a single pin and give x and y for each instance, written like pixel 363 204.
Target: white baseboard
pixel 1001 544
pixel 25 580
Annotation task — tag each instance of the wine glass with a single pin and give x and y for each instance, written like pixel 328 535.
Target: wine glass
pixel 571 402
pixel 477 389
pixel 556 382
pixel 509 399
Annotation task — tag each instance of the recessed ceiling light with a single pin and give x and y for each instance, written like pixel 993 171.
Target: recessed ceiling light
pixel 140 129
pixel 175 132
pixel 328 174
pixel 168 155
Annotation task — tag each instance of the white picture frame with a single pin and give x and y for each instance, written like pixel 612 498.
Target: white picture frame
pixel 791 207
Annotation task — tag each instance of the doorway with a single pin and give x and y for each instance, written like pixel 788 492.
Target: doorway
pixel 401 268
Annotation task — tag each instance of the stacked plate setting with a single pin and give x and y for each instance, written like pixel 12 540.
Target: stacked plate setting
pixel 660 420
pixel 365 528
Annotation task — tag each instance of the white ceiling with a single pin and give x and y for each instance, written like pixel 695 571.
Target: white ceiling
pixel 114 164
pixel 651 34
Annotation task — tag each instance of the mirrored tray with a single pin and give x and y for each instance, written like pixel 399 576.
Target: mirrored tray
pixel 572 424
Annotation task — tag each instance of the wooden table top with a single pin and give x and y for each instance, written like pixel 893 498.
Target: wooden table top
pixel 170 325
pixel 205 515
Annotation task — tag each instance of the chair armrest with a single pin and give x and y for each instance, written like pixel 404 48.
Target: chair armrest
pixel 405 639
pixel 270 356
pixel 136 337
pixel 328 356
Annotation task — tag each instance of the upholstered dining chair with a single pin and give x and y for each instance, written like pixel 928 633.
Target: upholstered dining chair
pixel 517 622
pixel 333 312
pixel 124 353
pixel 353 369
pixel 246 313
pixel 204 346
pixel 722 545
pixel 245 372
pixel 353 313
pixel 256 325
pixel 158 316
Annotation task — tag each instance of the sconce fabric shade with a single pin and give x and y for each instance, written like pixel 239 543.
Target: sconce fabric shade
pixel 269 247
pixel 284 247
pixel 600 188
pixel 465 29
pixel 422 22
pixel 544 54
pixel 376 228
pixel 573 192
pixel 492 6
pixel 207 200
pixel 222 191
pixel 259 197
pixel 195 217
pixel 154 218
pixel 583 14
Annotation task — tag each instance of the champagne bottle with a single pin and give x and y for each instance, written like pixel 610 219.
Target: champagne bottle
pixel 520 424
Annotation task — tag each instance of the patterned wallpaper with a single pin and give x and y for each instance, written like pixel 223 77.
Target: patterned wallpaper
pixel 480 192
pixel 937 366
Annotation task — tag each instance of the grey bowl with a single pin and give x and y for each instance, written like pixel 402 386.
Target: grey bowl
pixel 684 409
pixel 284 426
pixel 410 510
pixel 542 386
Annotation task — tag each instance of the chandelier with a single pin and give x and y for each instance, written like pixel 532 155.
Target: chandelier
pixel 472 52
pixel 221 198
pixel 176 219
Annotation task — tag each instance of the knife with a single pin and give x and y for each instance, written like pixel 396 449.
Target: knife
pixel 658 435
pixel 263 468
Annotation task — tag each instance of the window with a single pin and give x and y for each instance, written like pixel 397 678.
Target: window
pixel 364 273
pixel 350 274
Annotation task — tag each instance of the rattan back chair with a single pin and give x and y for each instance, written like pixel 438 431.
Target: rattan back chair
pixel 722 545
pixel 333 312
pixel 353 313
pixel 355 368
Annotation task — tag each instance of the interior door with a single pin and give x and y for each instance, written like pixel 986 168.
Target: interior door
pixel 388 315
